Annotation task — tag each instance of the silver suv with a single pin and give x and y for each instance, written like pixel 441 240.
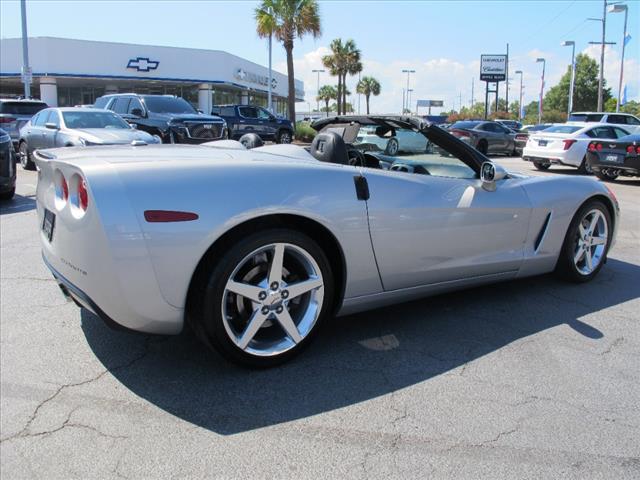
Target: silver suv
pixel 15 113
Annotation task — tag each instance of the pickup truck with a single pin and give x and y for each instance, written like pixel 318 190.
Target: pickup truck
pixel 243 119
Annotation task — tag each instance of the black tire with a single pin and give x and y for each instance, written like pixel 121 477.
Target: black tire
pixel 8 195
pixel 284 136
pixel 541 166
pixel 206 305
pixel 605 177
pixel 392 147
pixel 25 157
pixel 584 168
pixel 483 148
pixel 566 268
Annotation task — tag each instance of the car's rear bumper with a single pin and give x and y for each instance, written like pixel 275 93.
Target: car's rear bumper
pixel 630 166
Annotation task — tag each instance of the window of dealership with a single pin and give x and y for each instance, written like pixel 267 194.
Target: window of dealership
pixel 69 72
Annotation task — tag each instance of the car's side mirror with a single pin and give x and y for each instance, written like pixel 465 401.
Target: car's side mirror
pixel 51 126
pixel 137 112
pixel 490 173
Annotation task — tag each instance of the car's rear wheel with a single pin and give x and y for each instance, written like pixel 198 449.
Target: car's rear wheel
pixel 266 298
pixel 585 168
pixel 587 243
pixel 285 137
pixel 392 147
pixel 25 157
pixel 541 166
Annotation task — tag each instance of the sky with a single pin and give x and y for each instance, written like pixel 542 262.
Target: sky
pixel 441 40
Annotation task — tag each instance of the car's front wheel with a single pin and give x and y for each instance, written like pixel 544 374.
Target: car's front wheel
pixel 25 157
pixel 266 298
pixel 392 147
pixel 587 243
pixel 285 137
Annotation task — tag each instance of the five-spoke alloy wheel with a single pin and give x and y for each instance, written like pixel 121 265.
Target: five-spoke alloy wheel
pixel 266 298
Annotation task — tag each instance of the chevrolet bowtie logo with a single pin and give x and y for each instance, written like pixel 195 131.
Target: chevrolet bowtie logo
pixel 241 74
pixel 143 64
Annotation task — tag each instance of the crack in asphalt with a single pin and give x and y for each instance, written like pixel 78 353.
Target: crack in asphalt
pixel 25 433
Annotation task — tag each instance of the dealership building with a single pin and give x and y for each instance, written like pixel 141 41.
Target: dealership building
pixel 69 72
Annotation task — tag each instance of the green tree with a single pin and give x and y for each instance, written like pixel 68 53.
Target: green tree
pixel 288 20
pixel 368 86
pixel 344 60
pixel 585 90
pixel 326 94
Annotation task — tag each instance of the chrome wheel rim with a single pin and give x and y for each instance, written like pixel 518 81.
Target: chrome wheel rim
pixel 23 154
pixel 591 242
pixel 392 147
pixel 273 299
pixel 285 138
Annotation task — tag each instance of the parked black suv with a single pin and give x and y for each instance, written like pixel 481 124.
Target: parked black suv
pixel 172 118
pixel 243 119
pixel 7 167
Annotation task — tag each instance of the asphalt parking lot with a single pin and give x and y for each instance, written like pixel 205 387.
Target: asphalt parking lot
pixel 526 379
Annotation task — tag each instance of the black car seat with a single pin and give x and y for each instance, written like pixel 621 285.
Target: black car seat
pixel 329 147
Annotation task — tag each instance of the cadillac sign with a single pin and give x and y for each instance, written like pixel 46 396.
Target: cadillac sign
pixel 493 68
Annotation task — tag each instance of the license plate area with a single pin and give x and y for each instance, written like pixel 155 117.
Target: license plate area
pixel 542 143
pixel 613 158
pixel 48 224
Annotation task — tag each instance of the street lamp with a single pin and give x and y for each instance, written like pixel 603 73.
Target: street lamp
pixel 572 44
pixel 408 72
pixel 544 64
pixel 519 72
pixel 318 89
pixel 409 99
pixel 617 9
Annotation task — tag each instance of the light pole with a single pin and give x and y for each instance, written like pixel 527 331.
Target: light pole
pixel 602 44
pixel 318 89
pixel 617 9
pixel 572 44
pixel 544 64
pixel 408 72
pixel 358 93
pixel 26 70
pixel 409 99
pixel 519 72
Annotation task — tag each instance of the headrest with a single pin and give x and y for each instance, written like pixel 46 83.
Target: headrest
pixel 251 140
pixel 329 147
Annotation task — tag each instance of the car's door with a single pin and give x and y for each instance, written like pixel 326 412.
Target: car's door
pixel 36 132
pixel 444 227
pixel 135 112
pixel 248 121
pixel 51 131
pixel 490 135
pixel 507 136
pixel 268 123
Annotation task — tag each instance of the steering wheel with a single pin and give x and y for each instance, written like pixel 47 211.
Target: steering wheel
pixel 356 157
pixel 403 167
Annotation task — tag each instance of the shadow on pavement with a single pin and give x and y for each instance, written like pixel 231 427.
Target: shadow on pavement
pixel 356 358
pixel 19 203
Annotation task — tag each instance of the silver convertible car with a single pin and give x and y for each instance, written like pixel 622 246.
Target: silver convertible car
pixel 256 248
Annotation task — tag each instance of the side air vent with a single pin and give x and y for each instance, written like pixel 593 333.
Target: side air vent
pixel 542 233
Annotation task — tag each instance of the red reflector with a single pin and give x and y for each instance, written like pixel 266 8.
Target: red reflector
pixel 83 195
pixel 568 143
pixel 65 189
pixel 638 149
pixel 169 216
pixel 599 146
pixel 592 147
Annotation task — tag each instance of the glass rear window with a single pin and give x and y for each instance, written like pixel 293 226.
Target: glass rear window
pixel 22 108
pixel 562 129
pixel 585 117
pixel 467 125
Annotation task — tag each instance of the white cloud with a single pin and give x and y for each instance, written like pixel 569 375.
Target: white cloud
pixel 631 75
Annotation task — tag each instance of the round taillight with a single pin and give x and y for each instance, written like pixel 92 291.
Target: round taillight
pixel 65 189
pixel 83 195
pixel 591 147
pixel 599 146
pixel 638 149
pixel 631 149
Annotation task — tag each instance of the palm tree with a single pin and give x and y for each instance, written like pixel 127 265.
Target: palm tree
pixel 344 59
pixel 326 94
pixel 288 19
pixel 368 86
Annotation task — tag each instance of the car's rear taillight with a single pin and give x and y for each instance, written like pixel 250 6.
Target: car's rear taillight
pixel 83 195
pixel 7 119
pixel 631 149
pixel 65 188
pixel 598 147
pixel 568 143
pixel 592 147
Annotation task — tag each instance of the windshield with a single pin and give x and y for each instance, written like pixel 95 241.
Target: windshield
pixel 409 151
pixel 93 120
pixel 22 108
pixel 585 117
pixel 562 129
pixel 168 105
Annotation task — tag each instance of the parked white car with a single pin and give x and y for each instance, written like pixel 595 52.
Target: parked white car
pixel 392 142
pixel 566 144
pixel 624 120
